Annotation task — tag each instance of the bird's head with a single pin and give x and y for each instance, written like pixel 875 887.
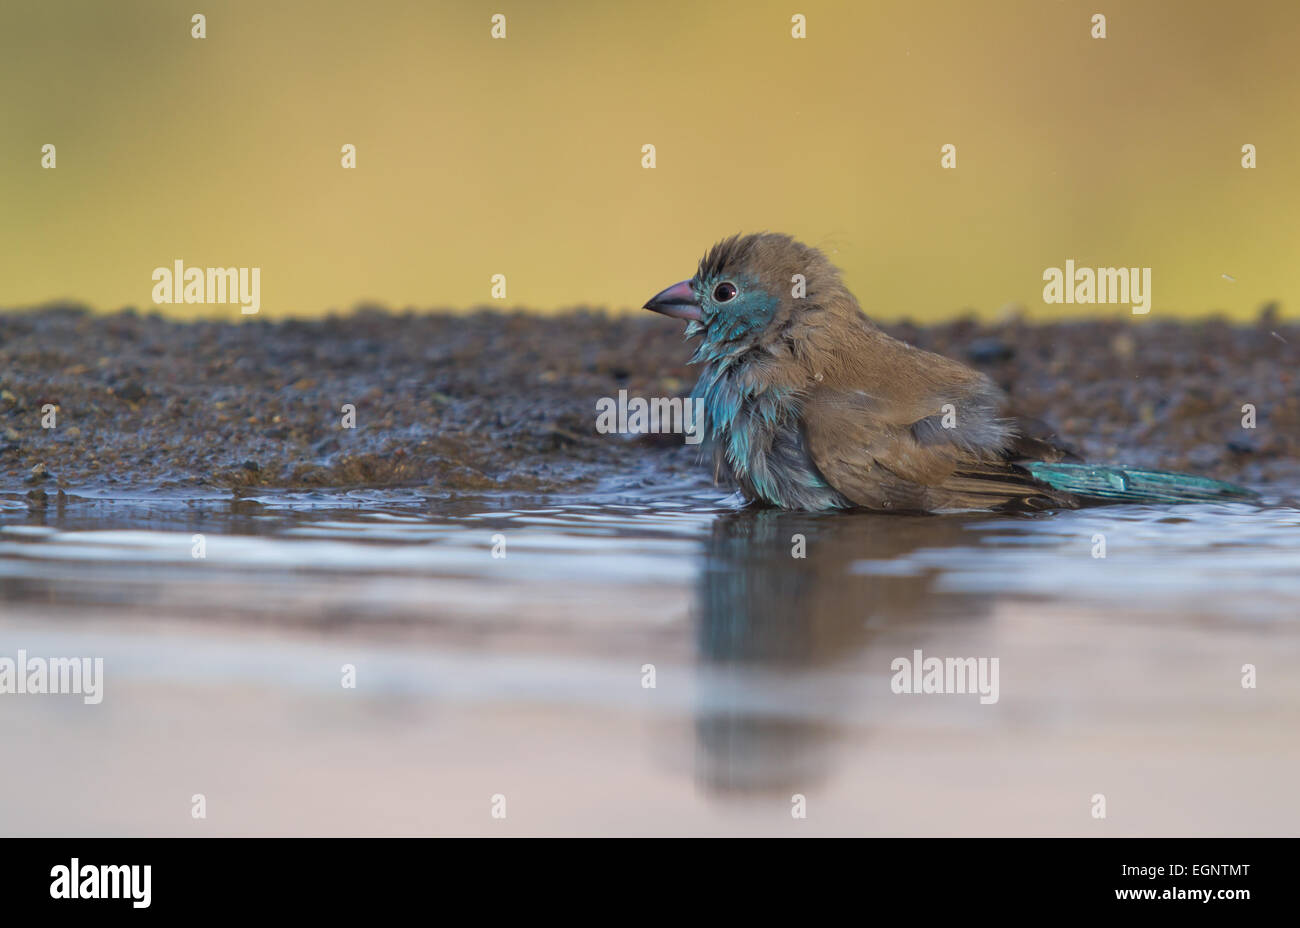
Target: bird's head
pixel 747 289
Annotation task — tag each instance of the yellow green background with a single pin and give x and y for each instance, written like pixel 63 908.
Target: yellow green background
pixel 523 156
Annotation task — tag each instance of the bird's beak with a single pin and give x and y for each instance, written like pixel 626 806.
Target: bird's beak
pixel 677 301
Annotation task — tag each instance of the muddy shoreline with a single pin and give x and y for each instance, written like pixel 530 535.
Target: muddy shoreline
pixel 494 401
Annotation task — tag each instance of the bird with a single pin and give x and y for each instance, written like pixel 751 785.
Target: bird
pixel 809 405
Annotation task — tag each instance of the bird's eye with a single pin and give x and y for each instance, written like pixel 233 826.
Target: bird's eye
pixel 724 292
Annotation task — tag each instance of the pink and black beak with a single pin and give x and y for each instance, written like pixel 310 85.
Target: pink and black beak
pixel 677 301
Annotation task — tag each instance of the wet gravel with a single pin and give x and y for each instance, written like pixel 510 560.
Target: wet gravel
pixel 506 401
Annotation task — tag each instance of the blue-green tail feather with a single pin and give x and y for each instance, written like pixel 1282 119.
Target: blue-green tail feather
pixel 1130 485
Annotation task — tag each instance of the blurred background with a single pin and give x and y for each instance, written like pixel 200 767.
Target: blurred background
pixel 523 156
pixel 202 518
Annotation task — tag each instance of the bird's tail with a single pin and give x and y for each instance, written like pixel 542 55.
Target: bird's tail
pixel 1130 485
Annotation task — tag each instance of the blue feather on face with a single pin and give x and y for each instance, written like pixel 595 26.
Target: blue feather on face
pixel 735 309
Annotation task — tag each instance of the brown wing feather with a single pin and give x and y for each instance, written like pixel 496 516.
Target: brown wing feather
pixel 893 427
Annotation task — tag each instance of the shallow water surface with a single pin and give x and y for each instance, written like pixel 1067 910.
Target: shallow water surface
pixel 507 645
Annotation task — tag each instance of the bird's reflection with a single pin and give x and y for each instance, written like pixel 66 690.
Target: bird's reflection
pixel 782 638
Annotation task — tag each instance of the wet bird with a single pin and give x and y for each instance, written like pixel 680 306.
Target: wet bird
pixel 808 405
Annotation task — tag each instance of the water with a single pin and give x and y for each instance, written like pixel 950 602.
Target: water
pixel 526 675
